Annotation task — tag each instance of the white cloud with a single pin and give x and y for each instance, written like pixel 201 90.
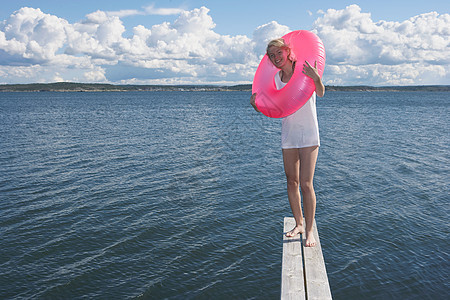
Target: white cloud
pixel 35 46
pixel 33 35
pixel 23 72
pixel 265 33
pixel 415 51
pixel 97 75
pixel 151 10
pixel 377 74
pixel 57 78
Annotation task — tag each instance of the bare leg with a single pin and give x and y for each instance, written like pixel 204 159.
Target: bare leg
pixel 308 158
pixel 291 159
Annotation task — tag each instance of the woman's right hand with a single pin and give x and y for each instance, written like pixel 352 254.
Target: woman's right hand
pixel 252 102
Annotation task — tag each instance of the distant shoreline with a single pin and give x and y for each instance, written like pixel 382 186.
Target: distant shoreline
pixel 100 87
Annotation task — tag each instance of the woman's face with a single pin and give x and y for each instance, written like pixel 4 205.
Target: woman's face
pixel 278 56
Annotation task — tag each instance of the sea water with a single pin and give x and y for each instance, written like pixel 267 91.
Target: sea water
pixel 181 195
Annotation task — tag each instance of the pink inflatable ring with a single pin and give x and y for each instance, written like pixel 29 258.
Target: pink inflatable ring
pixel 306 46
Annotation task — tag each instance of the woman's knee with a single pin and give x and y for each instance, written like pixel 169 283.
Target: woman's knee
pixel 292 181
pixel 307 186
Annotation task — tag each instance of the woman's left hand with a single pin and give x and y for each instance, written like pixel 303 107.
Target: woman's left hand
pixel 310 71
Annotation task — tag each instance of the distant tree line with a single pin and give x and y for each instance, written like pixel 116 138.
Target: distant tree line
pixel 102 87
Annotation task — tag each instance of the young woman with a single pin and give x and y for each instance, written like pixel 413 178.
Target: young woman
pixel 299 140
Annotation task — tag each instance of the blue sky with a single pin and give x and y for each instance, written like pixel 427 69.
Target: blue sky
pixel 219 42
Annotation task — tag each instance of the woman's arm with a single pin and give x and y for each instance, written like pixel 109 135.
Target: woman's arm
pixel 252 102
pixel 312 73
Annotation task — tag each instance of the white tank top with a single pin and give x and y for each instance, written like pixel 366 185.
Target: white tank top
pixel 300 129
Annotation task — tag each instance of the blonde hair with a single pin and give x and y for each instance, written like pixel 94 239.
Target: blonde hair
pixel 280 43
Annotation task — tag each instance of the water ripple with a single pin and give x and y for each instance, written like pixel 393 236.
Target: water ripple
pixel 182 195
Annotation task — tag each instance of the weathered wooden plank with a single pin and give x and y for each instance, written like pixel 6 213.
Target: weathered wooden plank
pixel 317 285
pixel 292 280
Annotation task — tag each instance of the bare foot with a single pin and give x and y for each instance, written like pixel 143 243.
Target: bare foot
pixel 310 241
pixel 297 229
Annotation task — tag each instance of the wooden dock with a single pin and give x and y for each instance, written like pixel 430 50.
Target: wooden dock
pixel 303 274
